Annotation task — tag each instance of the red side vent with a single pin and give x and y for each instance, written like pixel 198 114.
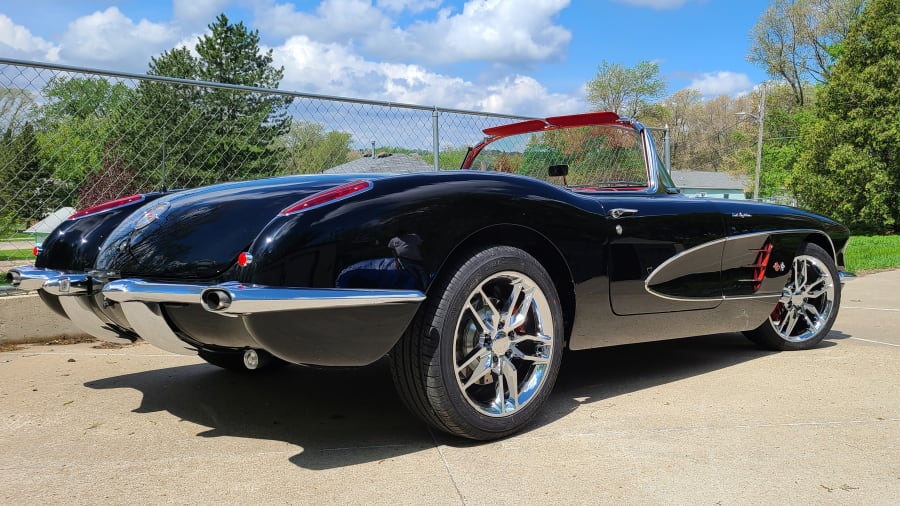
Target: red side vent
pixel 327 196
pixel 106 206
pixel 759 266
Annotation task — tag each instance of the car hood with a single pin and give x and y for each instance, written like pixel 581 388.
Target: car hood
pixel 198 234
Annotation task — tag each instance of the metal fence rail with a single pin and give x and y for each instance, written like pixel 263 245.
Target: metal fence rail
pixel 75 137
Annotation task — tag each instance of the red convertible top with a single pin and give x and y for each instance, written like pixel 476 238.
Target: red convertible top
pixel 571 120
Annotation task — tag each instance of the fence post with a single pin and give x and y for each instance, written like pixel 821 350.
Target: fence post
pixel 435 137
pixel 164 139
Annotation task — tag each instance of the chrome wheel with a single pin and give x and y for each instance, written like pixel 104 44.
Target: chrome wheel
pixel 807 301
pixel 503 344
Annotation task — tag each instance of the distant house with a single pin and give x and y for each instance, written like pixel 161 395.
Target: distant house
pixel 43 228
pixel 720 185
pixel 383 162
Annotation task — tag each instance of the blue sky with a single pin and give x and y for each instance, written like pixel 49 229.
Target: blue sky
pixel 530 57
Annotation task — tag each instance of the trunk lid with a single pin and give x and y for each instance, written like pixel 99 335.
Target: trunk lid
pixel 198 234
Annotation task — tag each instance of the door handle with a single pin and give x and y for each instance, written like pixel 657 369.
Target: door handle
pixel 620 212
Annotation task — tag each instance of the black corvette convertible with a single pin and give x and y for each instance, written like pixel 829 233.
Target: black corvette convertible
pixel 559 233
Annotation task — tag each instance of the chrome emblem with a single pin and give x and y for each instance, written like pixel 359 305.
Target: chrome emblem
pixel 778 266
pixel 150 215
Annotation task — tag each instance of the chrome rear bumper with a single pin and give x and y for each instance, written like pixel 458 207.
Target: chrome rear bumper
pixel 89 303
pixel 235 299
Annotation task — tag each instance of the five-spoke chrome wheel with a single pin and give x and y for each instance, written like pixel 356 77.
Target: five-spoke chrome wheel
pixel 503 343
pixel 482 355
pixel 808 305
pixel 806 302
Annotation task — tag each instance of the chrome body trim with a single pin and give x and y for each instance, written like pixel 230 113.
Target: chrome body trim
pixel 234 298
pixel 67 284
pixel 252 299
pixel 137 290
pixel 29 277
pixel 846 276
pixel 695 249
pixel 149 323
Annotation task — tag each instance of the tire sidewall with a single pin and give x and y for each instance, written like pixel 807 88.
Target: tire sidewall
pixel 469 275
pixel 817 252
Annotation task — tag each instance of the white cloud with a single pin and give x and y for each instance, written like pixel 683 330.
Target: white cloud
pixel 198 11
pixel 499 31
pixel 333 20
pixel 334 69
pixel 713 84
pixel 507 31
pixel 410 5
pixel 525 95
pixel 21 43
pixel 111 39
pixel 655 4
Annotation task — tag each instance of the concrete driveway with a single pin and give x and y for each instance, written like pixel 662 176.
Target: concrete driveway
pixel 707 420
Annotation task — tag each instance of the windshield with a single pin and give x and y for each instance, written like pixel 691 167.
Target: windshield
pixel 596 157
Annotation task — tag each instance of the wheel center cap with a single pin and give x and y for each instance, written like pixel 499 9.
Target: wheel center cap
pixel 798 300
pixel 500 345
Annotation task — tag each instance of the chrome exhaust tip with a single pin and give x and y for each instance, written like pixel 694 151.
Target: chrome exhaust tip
pixel 215 300
pixel 14 278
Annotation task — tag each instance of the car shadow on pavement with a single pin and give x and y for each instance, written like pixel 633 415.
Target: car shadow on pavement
pixel 345 416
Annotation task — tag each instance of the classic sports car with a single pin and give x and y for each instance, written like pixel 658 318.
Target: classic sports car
pixel 565 232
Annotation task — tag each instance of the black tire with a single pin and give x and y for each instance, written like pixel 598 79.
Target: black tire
pixel 809 306
pixel 479 339
pixel 233 360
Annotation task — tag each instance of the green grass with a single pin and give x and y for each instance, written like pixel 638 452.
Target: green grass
pixel 869 253
pixel 17 237
pixel 16 254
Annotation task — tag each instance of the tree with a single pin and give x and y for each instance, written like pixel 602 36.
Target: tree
pixel 195 135
pixel 77 122
pixel 623 90
pixel 794 39
pixel 27 186
pixel 851 165
pixel 311 150
pixel 15 106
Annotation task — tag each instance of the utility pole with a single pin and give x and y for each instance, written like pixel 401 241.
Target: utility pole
pixel 761 120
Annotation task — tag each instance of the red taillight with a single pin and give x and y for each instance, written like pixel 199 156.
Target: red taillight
pixel 106 206
pixel 36 250
pixel 245 259
pixel 324 197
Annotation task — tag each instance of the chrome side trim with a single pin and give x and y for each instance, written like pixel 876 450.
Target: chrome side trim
pixel 693 250
pixel 251 299
pixel 136 290
pixel 78 309
pixel 147 320
pixel 846 276
pixel 29 277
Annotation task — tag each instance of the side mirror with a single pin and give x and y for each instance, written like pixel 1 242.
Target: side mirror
pixel 558 170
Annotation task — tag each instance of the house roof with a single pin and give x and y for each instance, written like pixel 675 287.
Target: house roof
pixel 705 179
pixel 383 162
pixel 52 220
